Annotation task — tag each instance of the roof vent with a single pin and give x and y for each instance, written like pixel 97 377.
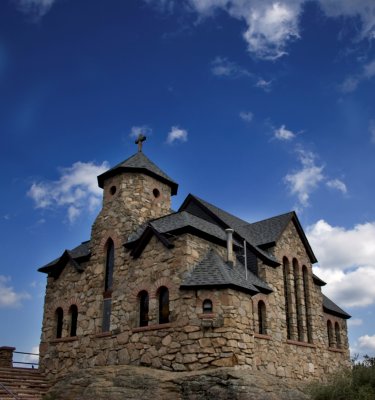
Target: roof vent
pixel 229 233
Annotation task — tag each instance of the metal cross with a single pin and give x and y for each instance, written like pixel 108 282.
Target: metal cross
pixel 140 139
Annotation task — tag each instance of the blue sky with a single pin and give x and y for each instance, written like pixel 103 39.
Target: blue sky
pixel 257 106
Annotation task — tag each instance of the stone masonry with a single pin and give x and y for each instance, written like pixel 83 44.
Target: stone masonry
pixel 192 339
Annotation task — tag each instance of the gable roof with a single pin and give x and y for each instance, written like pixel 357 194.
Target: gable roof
pixel 261 234
pixel 331 308
pixel 213 271
pixel 139 163
pixel 77 255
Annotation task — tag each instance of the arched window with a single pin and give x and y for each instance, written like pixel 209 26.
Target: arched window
pixel 109 265
pixel 163 305
pixel 306 291
pixel 262 328
pixel 338 335
pixel 143 308
pixel 108 283
pixel 59 314
pixel 73 312
pixel 288 308
pixel 207 306
pixel 330 333
pixel 297 292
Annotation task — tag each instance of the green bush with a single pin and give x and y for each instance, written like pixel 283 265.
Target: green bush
pixel 356 383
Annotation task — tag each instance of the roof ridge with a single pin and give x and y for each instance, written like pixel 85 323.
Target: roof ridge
pixel 274 217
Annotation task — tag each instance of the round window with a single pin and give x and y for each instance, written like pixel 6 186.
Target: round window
pixel 112 190
pixel 156 193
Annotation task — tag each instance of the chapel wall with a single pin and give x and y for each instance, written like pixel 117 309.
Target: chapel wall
pixel 294 358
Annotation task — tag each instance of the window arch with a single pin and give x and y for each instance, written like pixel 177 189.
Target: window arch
pixel 297 292
pixel 287 293
pixel 330 334
pixel 338 335
pixel 59 315
pixel 109 265
pixel 143 299
pixel 108 283
pixel 207 306
pixel 73 312
pixel 262 320
pixel 306 292
pixel 163 305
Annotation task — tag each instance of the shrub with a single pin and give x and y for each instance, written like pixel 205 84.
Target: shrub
pixel 356 383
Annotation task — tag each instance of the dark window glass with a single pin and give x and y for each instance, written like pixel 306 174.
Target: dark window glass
pixel 306 291
pixel 262 318
pixel 288 308
pixel 338 335
pixel 330 334
pixel 163 305
pixel 73 320
pixel 207 306
pixel 110 262
pixel 143 308
pixel 297 292
pixel 107 305
pixel 59 322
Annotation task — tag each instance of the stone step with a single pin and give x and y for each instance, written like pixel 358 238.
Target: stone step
pixel 25 383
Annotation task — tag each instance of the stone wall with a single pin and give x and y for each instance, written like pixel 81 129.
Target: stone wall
pixel 191 340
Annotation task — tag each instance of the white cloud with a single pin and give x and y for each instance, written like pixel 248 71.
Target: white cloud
pixel 304 181
pixel 284 134
pixel 355 322
pixel 366 344
pixel 222 67
pixel 33 357
pixel 76 189
pixel 135 131
pixel 272 25
pixel 177 135
pixel 372 130
pixel 36 8
pixel 9 298
pixel 351 83
pixel 263 84
pixel 338 185
pixel 346 261
pixel 246 116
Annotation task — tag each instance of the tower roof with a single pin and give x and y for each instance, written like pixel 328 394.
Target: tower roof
pixel 139 163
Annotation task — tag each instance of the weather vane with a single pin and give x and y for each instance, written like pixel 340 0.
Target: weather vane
pixel 140 139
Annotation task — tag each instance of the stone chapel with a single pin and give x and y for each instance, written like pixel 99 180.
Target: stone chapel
pixel 187 290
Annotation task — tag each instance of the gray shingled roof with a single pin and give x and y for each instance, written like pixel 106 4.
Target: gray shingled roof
pixel 179 220
pixel 81 251
pixel 258 233
pixel 268 230
pixel 214 271
pixel 139 163
pixel 331 308
pixel 239 225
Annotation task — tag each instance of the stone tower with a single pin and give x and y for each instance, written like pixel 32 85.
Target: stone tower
pixel 134 191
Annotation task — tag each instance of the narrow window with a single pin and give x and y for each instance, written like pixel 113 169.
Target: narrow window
pixel 338 335
pixel 163 305
pixel 109 266
pixel 106 322
pixel 73 311
pixel 330 333
pixel 59 322
pixel 306 291
pixel 108 281
pixel 297 292
pixel 143 308
pixel 207 306
pixel 288 308
pixel 262 329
